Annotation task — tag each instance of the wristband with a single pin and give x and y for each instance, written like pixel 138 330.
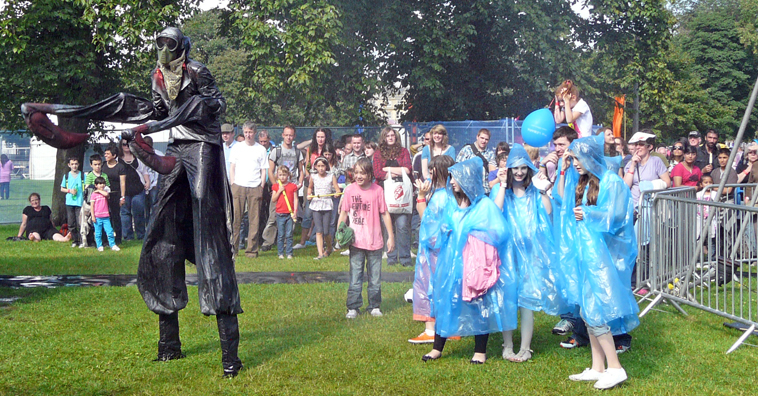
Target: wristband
pixel 563 173
pixel 421 200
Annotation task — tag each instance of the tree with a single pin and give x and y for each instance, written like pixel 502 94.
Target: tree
pixel 74 52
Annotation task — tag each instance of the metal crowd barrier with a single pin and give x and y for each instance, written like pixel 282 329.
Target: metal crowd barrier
pixel 642 283
pixel 722 279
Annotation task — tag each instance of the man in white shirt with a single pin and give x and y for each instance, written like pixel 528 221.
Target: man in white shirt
pixel 247 173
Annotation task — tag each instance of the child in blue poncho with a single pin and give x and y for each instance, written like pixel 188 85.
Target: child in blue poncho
pixel 531 247
pixel 596 207
pixel 430 240
pixel 473 291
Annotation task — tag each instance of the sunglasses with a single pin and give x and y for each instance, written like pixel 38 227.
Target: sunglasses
pixel 678 147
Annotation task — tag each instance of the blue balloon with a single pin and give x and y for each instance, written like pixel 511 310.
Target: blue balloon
pixel 538 127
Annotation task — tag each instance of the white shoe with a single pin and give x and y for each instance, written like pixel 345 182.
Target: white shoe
pixel 376 312
pixel 413 255
pixel 384 255
pixel 351 314
pixel 610 378
pixel 281 257
pixel 115 248
pixel 409 296
pixel 298 246
pixel 100 249
pixel 345 253
pixel 83 245
pixel 587 375
pixel 337 246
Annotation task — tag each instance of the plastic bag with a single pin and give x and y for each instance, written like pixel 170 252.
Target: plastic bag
pixel 399 195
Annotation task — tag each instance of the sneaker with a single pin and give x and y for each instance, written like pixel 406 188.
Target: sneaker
pixel 610 378
pixel 337 246
pixel 423 338
pixel 563 327
pixel 345 253
pixel 298 246
pixel 587 375
pixel 115 248
pixel 73 245
pixel 352 314
pixel 100 249
pixel 289 257
pixel 83 245
pixel 621 349
pixel 309 243
pixel 281 257
pixel 413 255
pixel 266 248
pixel 409 296
pixel 384 255
pixel 376 312
pixel 571 343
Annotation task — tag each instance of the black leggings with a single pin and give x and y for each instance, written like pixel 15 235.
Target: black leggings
pixel 480 343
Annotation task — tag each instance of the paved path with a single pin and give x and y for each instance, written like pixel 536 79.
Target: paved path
pixel 242 277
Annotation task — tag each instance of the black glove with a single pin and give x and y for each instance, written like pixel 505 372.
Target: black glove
pixel 128 135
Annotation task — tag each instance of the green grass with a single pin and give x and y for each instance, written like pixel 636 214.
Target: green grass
pixel 10 209
pixel 55 258
pixel 295 340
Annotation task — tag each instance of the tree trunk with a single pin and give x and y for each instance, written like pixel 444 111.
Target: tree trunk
pixel 58 203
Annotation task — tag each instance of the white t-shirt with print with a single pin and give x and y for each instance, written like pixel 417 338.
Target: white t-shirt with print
pixel 583 123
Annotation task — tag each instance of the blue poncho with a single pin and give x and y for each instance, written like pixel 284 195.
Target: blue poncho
pixel 481 222
pixel 531 245
pixel 430 240
pixel 601 249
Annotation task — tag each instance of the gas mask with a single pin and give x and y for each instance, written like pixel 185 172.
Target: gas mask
pixel 170 44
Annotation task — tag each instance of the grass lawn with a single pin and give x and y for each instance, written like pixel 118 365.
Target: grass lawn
pixel 295 340
pixel 54 258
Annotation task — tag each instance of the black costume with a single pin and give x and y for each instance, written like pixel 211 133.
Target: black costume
pixel 192 213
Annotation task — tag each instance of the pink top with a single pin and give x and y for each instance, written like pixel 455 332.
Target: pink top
pixel 689 179
pixel 5 171
pixel 364 208
pixel 99 206
pixel 481 268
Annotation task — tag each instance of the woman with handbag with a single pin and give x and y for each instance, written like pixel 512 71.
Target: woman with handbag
pixel 392 166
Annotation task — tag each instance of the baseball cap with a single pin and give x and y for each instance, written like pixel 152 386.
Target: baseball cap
pixel 227 128
pixel 694 134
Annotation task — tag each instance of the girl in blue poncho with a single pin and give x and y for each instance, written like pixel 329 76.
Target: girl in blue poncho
pixel 599 212
pixel 430 240
pixel 473 291
pixel 531 247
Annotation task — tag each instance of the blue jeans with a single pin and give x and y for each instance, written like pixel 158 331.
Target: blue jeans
pixel 335 215
pixel 581 335
pixel 5 189
pixel 133 208
pixel 284 233
pixel 402 227
pixel 373 260
pixel 100 224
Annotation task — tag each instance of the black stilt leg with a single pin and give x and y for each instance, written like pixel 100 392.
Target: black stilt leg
pixel 169 345
pixel 229 335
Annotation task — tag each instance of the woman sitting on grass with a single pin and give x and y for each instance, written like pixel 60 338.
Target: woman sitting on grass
pixel 37 221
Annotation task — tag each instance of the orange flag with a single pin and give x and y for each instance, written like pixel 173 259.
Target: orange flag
pixel 618 115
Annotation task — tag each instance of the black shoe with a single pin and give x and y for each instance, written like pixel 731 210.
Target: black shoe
pixel 427 358
pixel 476 361
pixel 165 357
pixel 266 248
pixel 232 371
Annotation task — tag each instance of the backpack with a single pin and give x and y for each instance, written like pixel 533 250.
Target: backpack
pixel 278 156
pixel 480 155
